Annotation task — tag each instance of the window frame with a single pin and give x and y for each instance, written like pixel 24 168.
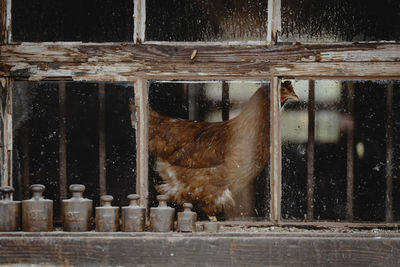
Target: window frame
pixel 142 61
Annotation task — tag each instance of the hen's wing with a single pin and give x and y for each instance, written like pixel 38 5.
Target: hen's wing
pixel 187 143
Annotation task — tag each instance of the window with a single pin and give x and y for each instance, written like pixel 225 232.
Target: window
pixel 190 59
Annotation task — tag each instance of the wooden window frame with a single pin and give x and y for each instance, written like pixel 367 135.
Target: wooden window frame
pixel 141 61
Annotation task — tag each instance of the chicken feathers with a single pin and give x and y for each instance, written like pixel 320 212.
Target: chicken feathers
pixel 206 163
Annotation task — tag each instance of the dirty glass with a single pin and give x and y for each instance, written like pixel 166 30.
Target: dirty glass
pixel 61 20
pixel 210 101
pixel 37 136
pixel 337 119
pixel 206 20
pixel 340 20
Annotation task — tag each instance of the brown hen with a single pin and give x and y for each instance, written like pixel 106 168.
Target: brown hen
pixel 207 162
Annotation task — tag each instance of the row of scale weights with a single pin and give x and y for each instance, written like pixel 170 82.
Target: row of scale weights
pixel 37 213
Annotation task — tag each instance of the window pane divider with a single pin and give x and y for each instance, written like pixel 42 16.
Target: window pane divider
pixel 142 161
pixel 6 131
pixel 275 152
pixel 139 18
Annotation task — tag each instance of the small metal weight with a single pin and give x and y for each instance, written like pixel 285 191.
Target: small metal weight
pixel 133 216
pixel 187 219
pixel 162 217
pixel 37 212
pixel 10 211
pixel 77 211
pixel 107 216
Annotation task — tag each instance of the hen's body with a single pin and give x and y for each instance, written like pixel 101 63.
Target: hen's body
pixel 206 163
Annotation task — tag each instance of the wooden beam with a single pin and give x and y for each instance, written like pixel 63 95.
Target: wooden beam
pixel 275 152
pixel 177 249
pixel 102 139
pixel 389 154
pixel 142 164
pixel 311 151
pixel 274 20
pixel 118 62
pixel 6 133
pixel 139 18
pixel 5 21
pixel 62 150
pixel 350 154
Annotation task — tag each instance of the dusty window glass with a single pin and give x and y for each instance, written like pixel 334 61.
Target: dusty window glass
pixel 61 20
pixel 207 142
pixel 205 20
pixel 345 20
pixel 37 134
pixel 351 136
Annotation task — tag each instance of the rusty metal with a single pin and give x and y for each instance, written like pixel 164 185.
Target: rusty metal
pixel 187 219
pixel 10 211
pixel 107 216
pixel 37 212
pixel 133 216
pixel 162 217
pixel 77 211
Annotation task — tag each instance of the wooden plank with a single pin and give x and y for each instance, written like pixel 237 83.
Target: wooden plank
pixel 158 249
pixel 275 152
pixel 6 136
pixel 139 16
pixel 102 139
pixel 389 154
pixel 62 150
pixel 350 154
pixel 310 150
pixel 118 62
pixel 142 164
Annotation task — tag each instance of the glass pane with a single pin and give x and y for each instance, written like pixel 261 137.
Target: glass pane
pixel 38 134
pixel 210 154
pixel 62 20
pixel 205 20
pixel 344 20
pixel 351 136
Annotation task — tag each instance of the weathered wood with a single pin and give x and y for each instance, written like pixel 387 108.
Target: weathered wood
pixel 389 154
pixel 102 139
pixel 310 150
pixel 6 136
pixel 142 164
pixel 139 17
pixel 118 62
pixel 5 21
pixel 158 249
pixel 275 152
pixel 62 145
pixel 350 153
pixel 274 20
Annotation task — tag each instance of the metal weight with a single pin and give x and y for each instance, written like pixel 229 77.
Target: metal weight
pixel 10 211
pixel 133 216
pixel 77 211
pixel 37 212
pixel 162 217
pixel 187 219
pixel 107 216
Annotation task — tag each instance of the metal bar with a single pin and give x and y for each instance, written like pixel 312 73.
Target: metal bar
pixel 62 150
pixel 225 101
pixel 102 140
pixel 389 153
pixel 276 152
pixel 25 136
pixel 139 18
pixel 350 154
pixel 311 151
pixel 142 164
